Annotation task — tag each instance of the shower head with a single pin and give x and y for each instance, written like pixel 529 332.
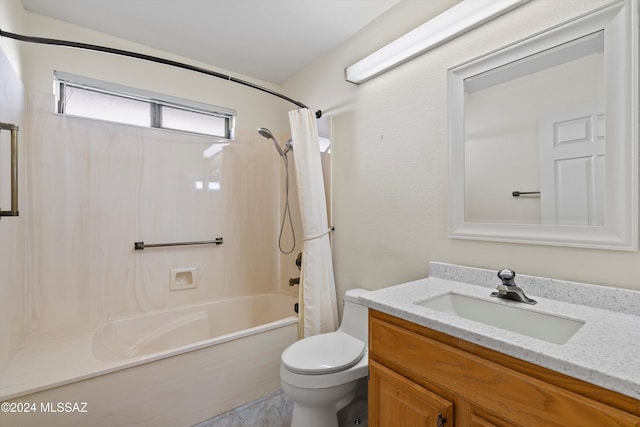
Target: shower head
pixel 266 133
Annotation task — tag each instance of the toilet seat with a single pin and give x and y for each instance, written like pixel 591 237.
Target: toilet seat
pixel 323 354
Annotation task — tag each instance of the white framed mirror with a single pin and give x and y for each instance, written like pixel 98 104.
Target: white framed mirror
pixel 543 136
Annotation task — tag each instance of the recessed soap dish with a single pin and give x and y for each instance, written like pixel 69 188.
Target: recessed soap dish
pixel 183 278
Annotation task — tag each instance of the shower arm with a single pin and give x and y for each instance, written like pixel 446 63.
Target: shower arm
pixel 288 146
pixel 156 59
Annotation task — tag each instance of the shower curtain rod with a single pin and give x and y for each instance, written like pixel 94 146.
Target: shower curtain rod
pixel 121 52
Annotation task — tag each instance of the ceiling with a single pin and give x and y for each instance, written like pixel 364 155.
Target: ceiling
pixel 267 39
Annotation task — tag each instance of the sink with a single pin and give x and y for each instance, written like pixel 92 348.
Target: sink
pixel 536 324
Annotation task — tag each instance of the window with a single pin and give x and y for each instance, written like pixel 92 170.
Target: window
pixel 84 97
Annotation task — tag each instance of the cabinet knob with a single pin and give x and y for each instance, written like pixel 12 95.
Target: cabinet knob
pixel 440 422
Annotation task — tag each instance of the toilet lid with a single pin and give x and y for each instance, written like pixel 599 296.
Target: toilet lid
pixel 323 354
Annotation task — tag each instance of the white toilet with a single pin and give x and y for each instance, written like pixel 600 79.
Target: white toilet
pixel 321 374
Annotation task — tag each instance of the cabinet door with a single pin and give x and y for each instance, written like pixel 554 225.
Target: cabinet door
pixel 395 401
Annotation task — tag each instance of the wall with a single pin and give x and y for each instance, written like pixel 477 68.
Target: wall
pixel 390 157
pixel 12 229
pixel 10 20
pixel 93 188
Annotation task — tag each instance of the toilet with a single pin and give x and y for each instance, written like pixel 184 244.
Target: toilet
pixel 324 373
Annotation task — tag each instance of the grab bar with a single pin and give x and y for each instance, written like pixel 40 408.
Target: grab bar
pixel 138 246
pixel 14 169
pixel 525 193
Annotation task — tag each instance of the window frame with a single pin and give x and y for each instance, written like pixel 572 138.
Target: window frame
pixel 156 101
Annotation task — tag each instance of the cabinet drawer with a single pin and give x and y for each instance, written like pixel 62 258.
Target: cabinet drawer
pixel 514 396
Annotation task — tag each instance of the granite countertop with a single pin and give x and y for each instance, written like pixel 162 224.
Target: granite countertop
pixel 603 352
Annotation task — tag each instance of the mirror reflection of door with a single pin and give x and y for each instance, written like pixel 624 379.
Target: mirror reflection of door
pixel 502 136
pixel 572 166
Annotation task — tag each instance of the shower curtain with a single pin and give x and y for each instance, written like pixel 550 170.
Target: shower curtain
pixel 318 303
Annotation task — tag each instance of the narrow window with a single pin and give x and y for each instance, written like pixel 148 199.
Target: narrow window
pixel 93 99
pixel 92 104
pixel 193 121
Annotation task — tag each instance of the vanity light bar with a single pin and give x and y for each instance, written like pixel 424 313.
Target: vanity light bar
pixel 454 21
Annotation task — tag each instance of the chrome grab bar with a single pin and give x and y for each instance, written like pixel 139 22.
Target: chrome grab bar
pixel 14 169
pixel 138 246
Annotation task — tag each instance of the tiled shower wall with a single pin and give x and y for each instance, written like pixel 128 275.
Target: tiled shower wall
pixel 94 188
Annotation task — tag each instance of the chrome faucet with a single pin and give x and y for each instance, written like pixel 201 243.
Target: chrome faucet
pixel 509 290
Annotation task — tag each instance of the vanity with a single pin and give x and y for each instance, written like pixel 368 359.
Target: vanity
pixel 572 361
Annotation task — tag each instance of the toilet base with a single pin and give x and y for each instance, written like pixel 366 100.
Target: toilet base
pixel 319 407
pixel 313 417
pixel 356 412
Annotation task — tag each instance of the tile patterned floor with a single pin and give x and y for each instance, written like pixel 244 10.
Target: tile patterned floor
pixel 273 410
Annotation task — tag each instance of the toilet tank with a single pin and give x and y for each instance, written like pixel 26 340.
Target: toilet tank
pixel 355 320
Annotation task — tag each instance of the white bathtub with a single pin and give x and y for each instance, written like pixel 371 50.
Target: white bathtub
pixel 205 324
pixel 167 368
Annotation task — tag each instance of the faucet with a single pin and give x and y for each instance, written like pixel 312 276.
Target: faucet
pixel 509 290
pixel 296 280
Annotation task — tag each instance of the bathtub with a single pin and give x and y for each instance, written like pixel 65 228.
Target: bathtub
pixel 167 368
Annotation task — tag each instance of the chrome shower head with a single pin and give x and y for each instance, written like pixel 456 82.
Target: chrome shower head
pixel 267 134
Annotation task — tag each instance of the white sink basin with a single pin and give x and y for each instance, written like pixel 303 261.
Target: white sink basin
pixel 543 326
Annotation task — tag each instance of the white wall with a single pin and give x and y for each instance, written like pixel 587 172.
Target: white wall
pixel 390 157
pixel 11 20
pixel 12 229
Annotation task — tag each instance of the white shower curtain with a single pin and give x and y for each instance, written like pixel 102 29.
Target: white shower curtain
pixel 319 311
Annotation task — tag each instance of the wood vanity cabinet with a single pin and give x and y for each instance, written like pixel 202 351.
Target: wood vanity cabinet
pixel 423 378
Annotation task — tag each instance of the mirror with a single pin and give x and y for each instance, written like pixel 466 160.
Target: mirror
pixel 543 137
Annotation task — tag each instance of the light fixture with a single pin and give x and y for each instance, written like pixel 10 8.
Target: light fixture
pixel 454 21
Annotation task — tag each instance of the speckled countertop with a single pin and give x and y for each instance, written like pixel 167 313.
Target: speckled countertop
pixel 605 351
